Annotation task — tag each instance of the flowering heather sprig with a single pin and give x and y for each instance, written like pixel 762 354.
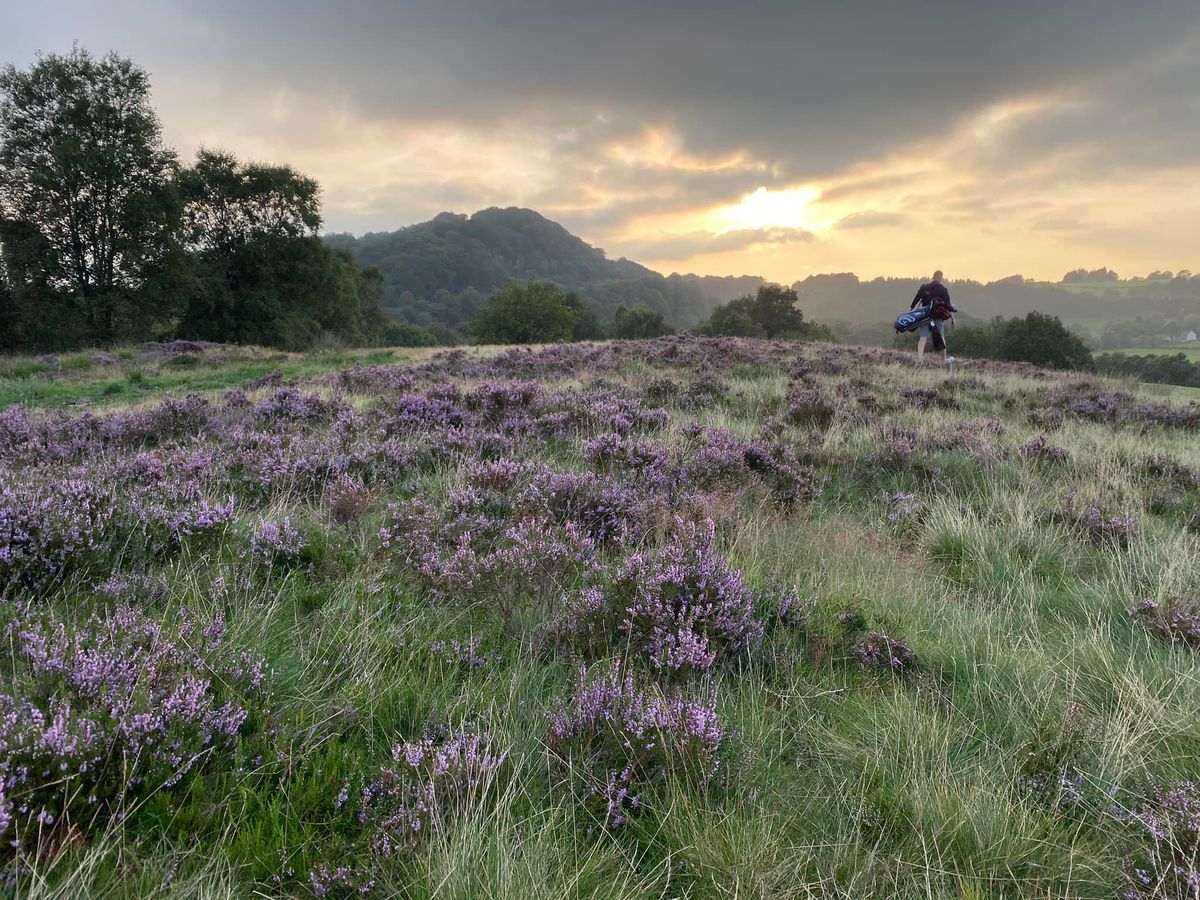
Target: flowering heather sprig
pixel 920 397
pixel 465 653
pixel 346 498
pixel 878 651
pixel 427 782
pixel 1167 825
pixel 1040 448
pixel 608 451
pixel 1175 621
pixel 682 606
pixel 809 407
pixel 161 699
pixel 628 736
pixel 50 529
pixel 277 542
pixel 289 405
pixel 901 506
pixel 899 445
pixel 1097 524
pixel 1046 418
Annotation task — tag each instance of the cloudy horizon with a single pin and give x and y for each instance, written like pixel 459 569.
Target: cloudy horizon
pixel 777 139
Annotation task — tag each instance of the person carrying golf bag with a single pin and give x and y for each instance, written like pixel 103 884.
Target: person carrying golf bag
pixel 934 295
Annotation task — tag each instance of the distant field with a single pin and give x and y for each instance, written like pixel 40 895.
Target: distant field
pixel 1101 287
pixel 1191 351
pixel 131 376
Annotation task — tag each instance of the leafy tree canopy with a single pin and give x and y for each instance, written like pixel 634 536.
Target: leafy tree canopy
pixel 639 322
pixel 531 313
pixel 227 203
pixel 771 312
pixel 86 192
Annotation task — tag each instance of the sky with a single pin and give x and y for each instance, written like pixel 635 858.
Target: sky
pixel 779 139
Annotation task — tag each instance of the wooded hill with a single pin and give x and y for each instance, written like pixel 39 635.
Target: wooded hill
pixel 438 273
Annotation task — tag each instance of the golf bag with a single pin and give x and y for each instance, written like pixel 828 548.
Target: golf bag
pixel 914 318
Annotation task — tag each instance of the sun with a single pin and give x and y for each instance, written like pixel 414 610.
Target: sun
pixel 764 208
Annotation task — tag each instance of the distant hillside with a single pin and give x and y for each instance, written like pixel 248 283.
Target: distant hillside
pixel 844 297
pixel 438 273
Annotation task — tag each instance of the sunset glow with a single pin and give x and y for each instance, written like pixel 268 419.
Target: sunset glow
pixel 1026 150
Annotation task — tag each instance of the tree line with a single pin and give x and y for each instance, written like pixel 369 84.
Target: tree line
pixel 105 236
pixel 540 312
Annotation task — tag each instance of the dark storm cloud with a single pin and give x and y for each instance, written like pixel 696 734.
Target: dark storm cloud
pixel 757 94
pixel 810 85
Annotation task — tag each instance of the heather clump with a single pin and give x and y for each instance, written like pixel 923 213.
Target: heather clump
pixel 1095 523
pixel 1173 620
pixel 1039 448
pixel 289 405
pixel 808 407
pixel 897 446
pixel 610 451
pixel 1169 472
pixel 1052 773
pixel 922 397
pixel 1165 828
pixel 426 784
pixel 277 543
pixel 119 706
pixel 346 498
pixel 901 506
pixel 407 802
pixel 877 651
pixel 619 737
pixel 681 607
pixel 608 510
pixel 54 528
pixel 516 572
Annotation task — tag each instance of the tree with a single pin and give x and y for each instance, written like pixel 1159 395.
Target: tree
pixel 277 291
pixel 227 203
pixel 86 183
pixel 532 313
pixel 1036 338
pixel 639 321
pixel 1044 341
pixel 375 319
pixel 733 319
pixel 771 313
pixel 9 336
pixel 588 327
pixel 406 334
pixel 264 276
pixel 774 309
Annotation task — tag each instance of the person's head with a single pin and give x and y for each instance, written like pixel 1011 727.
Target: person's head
pixel 937 276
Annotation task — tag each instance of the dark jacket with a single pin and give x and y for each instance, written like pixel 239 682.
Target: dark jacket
pixel 932 294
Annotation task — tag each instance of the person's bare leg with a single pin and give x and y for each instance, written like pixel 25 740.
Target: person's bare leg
pixel 921 350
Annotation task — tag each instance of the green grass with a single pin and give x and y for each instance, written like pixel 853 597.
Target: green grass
pixel 80 383
pixel 835 782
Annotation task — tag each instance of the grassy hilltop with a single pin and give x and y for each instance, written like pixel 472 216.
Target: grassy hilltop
pixel 679 618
